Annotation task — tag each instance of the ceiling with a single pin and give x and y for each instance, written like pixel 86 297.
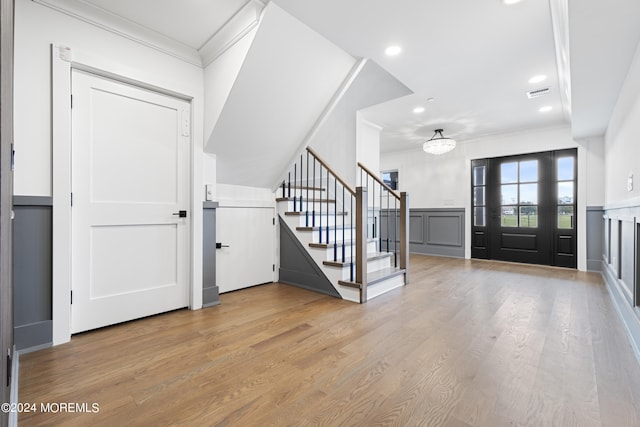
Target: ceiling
pixel 468 62
pixel 473 57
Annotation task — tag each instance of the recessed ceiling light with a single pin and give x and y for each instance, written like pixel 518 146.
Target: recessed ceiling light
pixel 537 79
pixel 393 50
pixel 509 2
pixel 418 110
pixel 546 109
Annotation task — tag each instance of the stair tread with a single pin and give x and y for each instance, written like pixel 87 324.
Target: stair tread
pixel 328 245
pixel 311 200
pixel 370 257
pixel 375 277
pixel 303 213
pixel 324 227
pixel 303 187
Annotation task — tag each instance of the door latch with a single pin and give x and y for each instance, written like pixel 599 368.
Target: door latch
pixel 181 214
pixel 219 245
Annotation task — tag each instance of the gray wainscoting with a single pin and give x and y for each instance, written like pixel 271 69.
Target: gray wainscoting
pixel 210 292
pixel 621 266
pixel 32 271
pixel 595 233
pixel 437 232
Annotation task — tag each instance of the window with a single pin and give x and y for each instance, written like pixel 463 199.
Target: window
pixel 566 200
pixel 519 194
pixel 479 196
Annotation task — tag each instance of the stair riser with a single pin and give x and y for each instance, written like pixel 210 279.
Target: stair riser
pixel 334 236
pixel 371 248
pixel 321 220
pixel 296 192
pixel 289 206
pixel 372 266
pixel 385 286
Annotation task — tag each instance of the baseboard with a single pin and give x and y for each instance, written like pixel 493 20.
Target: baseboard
pixel 33 335
pixel 629 316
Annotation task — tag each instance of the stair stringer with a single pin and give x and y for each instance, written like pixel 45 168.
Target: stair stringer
pixel 317 256
pixel 298 268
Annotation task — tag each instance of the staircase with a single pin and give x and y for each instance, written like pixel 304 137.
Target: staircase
pixel 358 238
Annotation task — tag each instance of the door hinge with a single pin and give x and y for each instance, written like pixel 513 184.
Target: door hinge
pixel 71 199
pixel 72 101
pixel 274 221
pixel 71 297
pixel 274 267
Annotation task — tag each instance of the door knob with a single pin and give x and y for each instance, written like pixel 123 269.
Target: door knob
pixel 219 245
pixel 181 214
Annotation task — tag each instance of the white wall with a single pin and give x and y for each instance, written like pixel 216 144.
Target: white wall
pixel 594 167
pixel 35 29
pixel 367 145
pixel 622 143
pixel 444 181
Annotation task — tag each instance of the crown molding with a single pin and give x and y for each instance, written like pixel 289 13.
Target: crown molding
pixel 238 26
pixel 123 27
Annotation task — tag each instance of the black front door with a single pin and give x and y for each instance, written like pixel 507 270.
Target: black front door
pixel 524 208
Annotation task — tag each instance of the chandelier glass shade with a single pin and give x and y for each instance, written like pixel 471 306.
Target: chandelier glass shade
pixel 438 144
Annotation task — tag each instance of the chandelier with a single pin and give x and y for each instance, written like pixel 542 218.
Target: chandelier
pixel 438 144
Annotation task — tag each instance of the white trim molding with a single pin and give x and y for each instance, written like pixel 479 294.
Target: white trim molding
pixel 116 24
pixel 61 139
pixel 238 26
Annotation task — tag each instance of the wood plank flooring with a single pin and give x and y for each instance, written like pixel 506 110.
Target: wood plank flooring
pixel 467 343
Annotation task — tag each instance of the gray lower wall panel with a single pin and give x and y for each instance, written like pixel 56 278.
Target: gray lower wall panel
pixel 629 315
pixel 210 292
pixel 620 258
pixel 32 271
pixel 437 232
pixel 298 268
pixel 595 232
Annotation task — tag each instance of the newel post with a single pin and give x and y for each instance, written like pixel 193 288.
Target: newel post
pixel 404 235
pixel 361 241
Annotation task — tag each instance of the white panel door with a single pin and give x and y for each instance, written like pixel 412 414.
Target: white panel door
pixel 130 169
pixel 248 259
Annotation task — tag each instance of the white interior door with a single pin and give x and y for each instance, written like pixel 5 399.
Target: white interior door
pixel 248 259
pixel 130 169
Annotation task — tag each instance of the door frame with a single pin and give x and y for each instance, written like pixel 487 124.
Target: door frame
pixel 63 61
pixel 7 390
pixel 581 192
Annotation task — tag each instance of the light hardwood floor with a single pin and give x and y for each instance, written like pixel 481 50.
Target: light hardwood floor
pixel 467 343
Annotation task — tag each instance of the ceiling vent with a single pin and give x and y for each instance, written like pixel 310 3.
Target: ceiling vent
pixel 538 93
